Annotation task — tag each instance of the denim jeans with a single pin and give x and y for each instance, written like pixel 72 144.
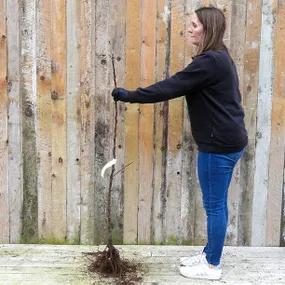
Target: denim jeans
pixel 215 172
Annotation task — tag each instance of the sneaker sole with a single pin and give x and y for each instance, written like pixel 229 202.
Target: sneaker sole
pixel 199 277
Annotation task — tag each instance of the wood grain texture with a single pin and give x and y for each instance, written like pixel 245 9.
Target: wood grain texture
pixel 87 110
pixel 47 264
pixel 15 171
pixel 28 96
pixel 263 125
pixel 236 26
pixel 190 187
pixel 57 123
pixel 58 94
pixel 277 143
pixel 131 178
pixel 4 195
pixel 160 124
pixel 282 236
pixel 250 92
pixel 175 123
pixel 73 124
pixel 103 120
pixel 44 118
pixel 146 123
pixel 117 27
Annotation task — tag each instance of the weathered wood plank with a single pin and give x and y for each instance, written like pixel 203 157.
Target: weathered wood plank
pixel 15 176
pixel 277 146
pixel 58 85
pixel 117 41
pixel 250 90
pixel 4 195
pixel 236 26
pixel 87 120
pixel 146 123
pixel 175 121
pixel 131 178
pixel 197 225
pixel 103 120
pixel 226 7
pixel 282 236
pixel 28 91
pixel 263 128
pixel 160 123
pixel 44 118
pixel 73 125
pixel 190 185
pixel 27 264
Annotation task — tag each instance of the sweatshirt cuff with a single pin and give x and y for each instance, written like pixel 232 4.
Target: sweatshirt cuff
pixel 132 96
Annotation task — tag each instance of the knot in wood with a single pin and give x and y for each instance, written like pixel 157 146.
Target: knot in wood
pixel 259 135
pixel 53 66
pixel 103 61
pixel 9 86
pixel 54 95
pixel 28 111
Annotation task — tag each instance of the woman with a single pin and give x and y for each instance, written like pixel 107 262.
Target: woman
pixel 210 85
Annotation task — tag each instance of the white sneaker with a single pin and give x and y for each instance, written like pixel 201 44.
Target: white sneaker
pixel 202 270
pixel 192 260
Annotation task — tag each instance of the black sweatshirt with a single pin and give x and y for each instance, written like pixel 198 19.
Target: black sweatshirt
pixel 210 84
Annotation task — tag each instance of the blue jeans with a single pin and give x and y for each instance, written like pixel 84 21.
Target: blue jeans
pixel 215 172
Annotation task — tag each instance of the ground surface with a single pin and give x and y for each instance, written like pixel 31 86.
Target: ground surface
pixel 62 264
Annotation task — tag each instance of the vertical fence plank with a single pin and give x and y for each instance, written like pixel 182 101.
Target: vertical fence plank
pixel 197 227
pixel 160 122
pixel 146 123
pixel 58 84
pixel 175 121
pixel 4 198
pixel 282 236
pixel 236 38
pixel 87 113
pixel 117 40
pixel 28 90
pixel 15 175
pixel 73 121
pixel 263 125
pixel 226 6
pixel 103 120
pixel 131 122
pixel 197 212
pixel 44 117
pixel 189 149
pixel 250 91
pixel 277 146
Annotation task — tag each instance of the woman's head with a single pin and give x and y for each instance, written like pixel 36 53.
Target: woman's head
pixel 207 28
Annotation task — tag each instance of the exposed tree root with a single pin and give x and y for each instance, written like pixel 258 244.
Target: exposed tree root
pixel 108 263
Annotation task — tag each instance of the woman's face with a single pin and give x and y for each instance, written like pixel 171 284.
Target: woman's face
pixel 195 31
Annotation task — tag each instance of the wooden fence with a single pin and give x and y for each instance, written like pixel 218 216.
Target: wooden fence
pixel 57 120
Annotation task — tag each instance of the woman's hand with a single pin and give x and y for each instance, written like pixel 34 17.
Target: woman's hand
pixel 120 94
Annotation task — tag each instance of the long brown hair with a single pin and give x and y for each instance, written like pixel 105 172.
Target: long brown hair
pixel 214 25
